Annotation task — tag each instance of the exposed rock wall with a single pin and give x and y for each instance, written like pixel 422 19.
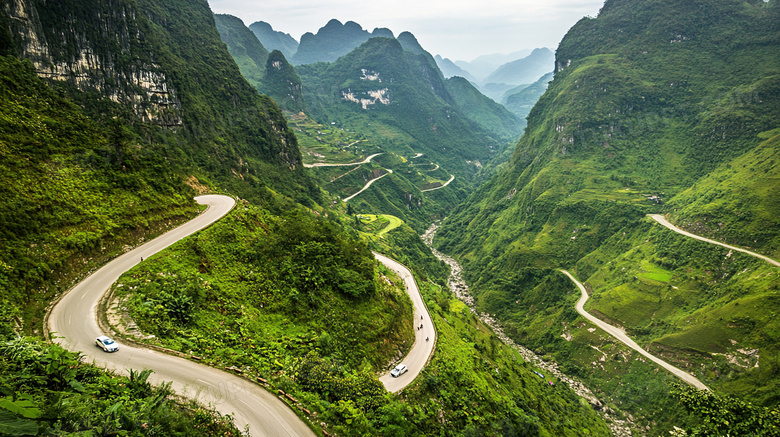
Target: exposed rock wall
pixel 64 47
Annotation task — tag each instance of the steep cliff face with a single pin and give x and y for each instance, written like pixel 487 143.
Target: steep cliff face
pixel 162 64
pixel 110 59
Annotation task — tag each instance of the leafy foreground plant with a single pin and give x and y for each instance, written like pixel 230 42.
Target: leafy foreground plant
pixel 46 390
pixel 725 415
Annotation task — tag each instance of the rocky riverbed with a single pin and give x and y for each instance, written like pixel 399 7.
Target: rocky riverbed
pixel 619 427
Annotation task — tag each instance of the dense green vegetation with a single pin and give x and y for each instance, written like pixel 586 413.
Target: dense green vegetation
pixel 521 100
pixel 84 176
pixel 253 292
pixel 256 288
pixel 274 40
pixel 333 41
pixel 644 115
pixel 74 192
pixel 47 390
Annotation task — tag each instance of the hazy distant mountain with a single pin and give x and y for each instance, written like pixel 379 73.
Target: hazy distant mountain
pixel 449 69
pixel 480 109
pixel 482 66
pixel 526 70
pixel 249 53
pixel 382 32
pixel 410 43
pixel 274 40
pixel 521 99
pixel 496 91
pixel 333 41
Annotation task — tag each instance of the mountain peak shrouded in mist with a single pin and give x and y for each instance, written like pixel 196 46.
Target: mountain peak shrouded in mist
pixel 382 32
pixel 526 70
pixel 274 40
pixel 410 43
pixel 331 42
pixel 449 69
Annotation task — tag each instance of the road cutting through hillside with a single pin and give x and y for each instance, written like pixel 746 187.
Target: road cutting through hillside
pixel 662 220
pixel 73 324
pixel 620 335
pixel 368 184
pixel 424 338
pixel 322 164
pixel 452 178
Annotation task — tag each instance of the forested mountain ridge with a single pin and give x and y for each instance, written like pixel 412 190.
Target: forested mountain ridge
pixel 133 132
pixel 647 100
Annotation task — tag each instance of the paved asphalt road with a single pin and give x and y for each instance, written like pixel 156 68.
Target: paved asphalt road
pixel 620 335
pixel 662 220
pixel 421 350
pixel 74 321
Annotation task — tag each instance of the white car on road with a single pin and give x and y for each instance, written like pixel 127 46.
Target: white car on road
pixel 107 344
pixel 399 370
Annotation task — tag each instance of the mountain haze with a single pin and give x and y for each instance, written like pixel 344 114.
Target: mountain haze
pixel 524 71
pixel 274 40
pixel 333 41
pixel 449 69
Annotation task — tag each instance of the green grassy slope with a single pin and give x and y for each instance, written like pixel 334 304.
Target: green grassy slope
pixel 737 202
pixel 644 104
pixel 425 136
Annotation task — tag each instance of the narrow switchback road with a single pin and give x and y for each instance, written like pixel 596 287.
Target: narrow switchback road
pixel 322 164
pixel 368 184
pixel 452 178
pixel 73 324
pixel 662 220
pixel 421 349
pixel 620 335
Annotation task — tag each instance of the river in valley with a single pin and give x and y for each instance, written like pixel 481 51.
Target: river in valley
pixel 619 427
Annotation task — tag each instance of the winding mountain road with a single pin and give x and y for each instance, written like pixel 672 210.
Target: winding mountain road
pixel 421 350
pixel 322 164
pixel 73 324
pixel 368 184
pixel 620 335
pixel 452 178
pixel 662 220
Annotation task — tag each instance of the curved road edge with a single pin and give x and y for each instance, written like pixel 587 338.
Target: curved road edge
pixel 662 220
pixel 368 184
pixel 73 324
pixel 620 335
pixel 452 178
pixel 421 350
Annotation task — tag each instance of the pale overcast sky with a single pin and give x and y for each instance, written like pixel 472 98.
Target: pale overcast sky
pixel 455 29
